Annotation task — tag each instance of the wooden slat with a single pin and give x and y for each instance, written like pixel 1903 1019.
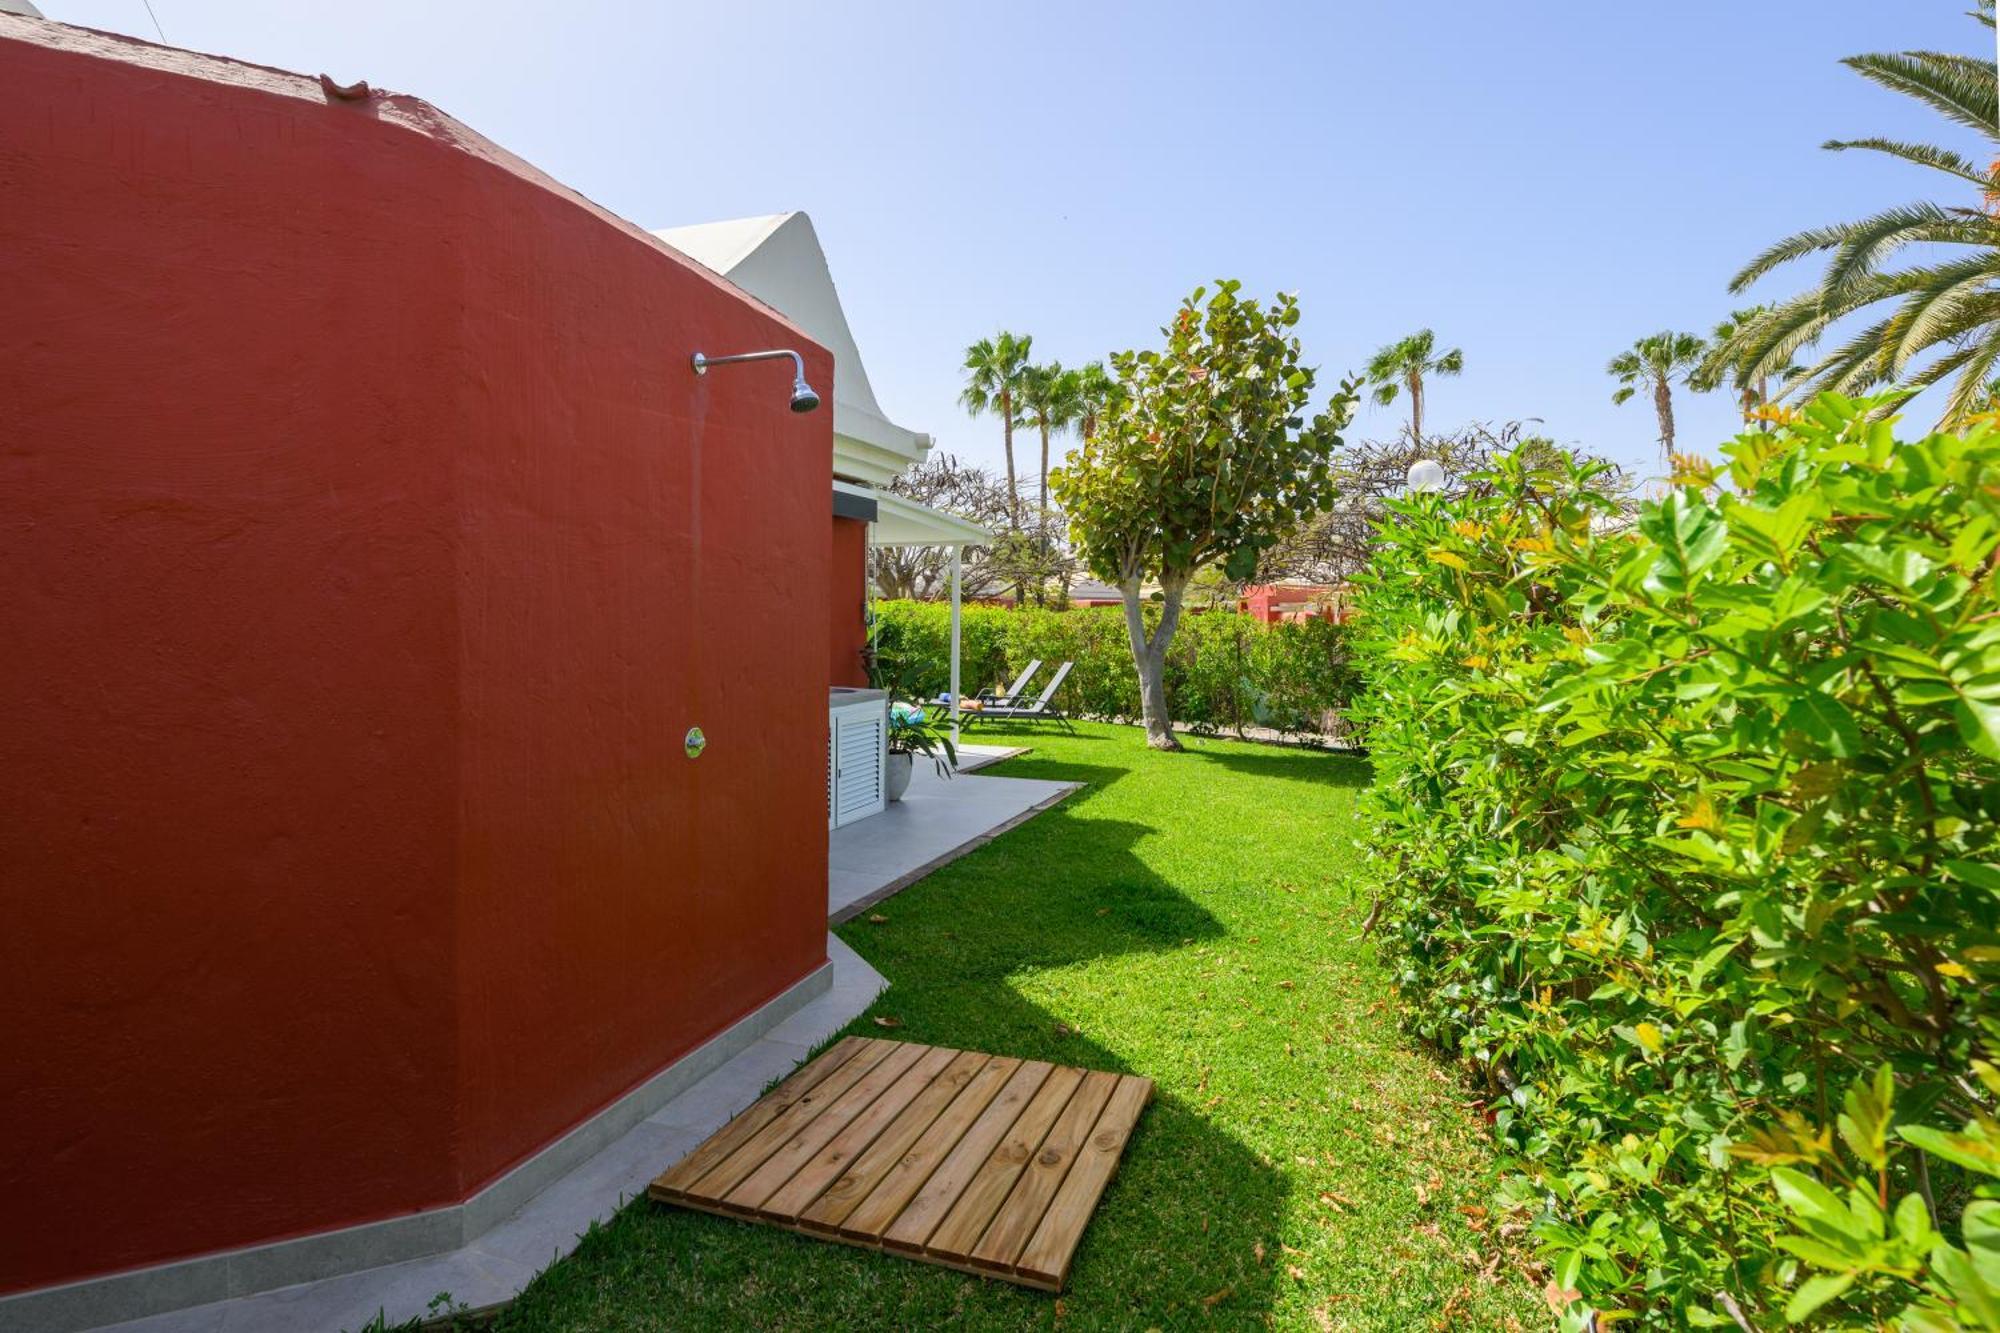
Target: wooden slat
pixel 1016 1220
pixel 727 1174
pixel 910 1172
pixel 982 1196
pixel 855 1184
pixel 806 1185
pixel 782 1165
pixel 760 1113
pixel 986 1164
pixel 1046 1257
pixel 922 1214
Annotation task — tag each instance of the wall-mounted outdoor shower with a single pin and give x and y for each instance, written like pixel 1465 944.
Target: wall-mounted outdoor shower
pixel 803 397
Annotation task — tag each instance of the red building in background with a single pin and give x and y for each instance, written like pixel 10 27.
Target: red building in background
pixel 1273 602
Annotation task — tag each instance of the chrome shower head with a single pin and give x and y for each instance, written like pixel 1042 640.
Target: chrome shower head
pixel 803 397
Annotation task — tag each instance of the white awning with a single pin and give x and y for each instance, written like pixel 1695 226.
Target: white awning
pixel 901 522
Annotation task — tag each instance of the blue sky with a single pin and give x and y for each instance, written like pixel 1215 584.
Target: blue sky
pixel 1541 182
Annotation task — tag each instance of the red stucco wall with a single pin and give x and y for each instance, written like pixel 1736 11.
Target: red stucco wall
pixel 369 549
pixel 847 603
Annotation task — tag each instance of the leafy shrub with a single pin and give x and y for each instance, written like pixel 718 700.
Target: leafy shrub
pixel 1875 1262
pixel 1688 823
pixel 1224 671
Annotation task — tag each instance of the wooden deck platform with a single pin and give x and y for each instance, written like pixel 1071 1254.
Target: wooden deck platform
pixel 978 1162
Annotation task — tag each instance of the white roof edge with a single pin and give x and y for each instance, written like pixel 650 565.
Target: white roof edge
pixel 900 521
pixel 877 429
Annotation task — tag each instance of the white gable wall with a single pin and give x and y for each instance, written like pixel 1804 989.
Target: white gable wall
pixel 778 260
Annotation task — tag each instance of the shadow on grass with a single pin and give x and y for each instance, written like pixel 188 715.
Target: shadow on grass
pixel 1023 733
pixel 1095 777
pixel 1177 1237
pixel 1321 768
pixel 1181 1221
pixel 1295 765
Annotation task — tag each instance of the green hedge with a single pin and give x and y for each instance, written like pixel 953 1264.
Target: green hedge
pixel 1690 836
pixel 1224 671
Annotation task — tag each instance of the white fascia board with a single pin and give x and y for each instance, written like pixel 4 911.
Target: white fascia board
pixel 903 522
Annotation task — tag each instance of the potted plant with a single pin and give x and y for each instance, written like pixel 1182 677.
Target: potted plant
pixel 913 732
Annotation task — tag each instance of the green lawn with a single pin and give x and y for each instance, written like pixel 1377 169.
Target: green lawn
pixel 1188 917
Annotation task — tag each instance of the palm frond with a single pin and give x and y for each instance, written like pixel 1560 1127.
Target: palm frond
pixel 1393 360
pixel 1728 346
pixel 1861 246
pixel 1939 369
pixel 1943 368
pixel 1969 393
pixel 1948 302
pixel 1961 87
pixel 1767 345
pixel 993 370
pixel 1661 355
pixel 1949 292
pixel 1875 239
pixel 1971 319
pixel 1922 154
pixel 1859 364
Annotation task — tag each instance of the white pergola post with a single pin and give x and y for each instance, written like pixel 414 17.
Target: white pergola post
pixel 956 551
pixel 904 522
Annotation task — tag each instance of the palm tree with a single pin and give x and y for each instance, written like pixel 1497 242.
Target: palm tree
pixel 1948 304
pixel 1096 392
pixel 1049 400
pixel 1727 367
pixel 1404 365
pixel 994 370
pixel 1655 362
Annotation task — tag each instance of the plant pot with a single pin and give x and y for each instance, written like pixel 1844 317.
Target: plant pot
pixel 896 780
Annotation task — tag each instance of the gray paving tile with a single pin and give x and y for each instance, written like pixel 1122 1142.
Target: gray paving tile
pixel 807 1028
pixel 936 821
pixel 815 1022
pixel 398 1291
pixel 196 1319
pixel 549 1225
pixel 847 886
pixel 715 1099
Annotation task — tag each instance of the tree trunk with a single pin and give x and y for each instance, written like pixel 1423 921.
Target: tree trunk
pixel 1149 656
pixel 1045 483
pixel 1007 440
pixel 1416 411
pixel 1663 403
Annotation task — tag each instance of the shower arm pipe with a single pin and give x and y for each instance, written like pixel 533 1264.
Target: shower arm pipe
pixel 702 361
pixel 804 398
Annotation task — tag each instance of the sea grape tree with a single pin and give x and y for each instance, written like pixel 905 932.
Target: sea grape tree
pixel 1206 455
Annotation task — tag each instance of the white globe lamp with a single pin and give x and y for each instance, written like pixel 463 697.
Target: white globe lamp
pixel 1426 474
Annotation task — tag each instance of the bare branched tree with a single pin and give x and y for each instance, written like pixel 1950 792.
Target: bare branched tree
pixel 940 482
pixel 1030 563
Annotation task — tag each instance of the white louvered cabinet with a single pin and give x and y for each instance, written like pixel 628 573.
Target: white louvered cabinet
pixel 857 741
